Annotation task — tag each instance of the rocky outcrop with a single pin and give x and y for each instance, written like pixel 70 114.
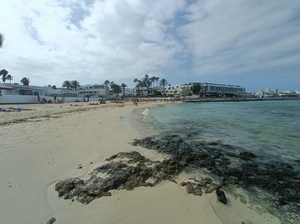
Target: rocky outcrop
pixel 126 170
pixel 233 166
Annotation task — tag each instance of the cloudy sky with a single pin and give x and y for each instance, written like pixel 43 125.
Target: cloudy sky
pixel 253 43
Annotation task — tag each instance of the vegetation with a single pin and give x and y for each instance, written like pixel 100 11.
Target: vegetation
pixel 1 39
pixel 123 85
pixel 67 84
pixel 148 82
pixel 75 84
pixel 196 88
pixel 9 77
pixel 4 75
pixel 116 89
pixel 25 81
pixel 106 82
pixel 163 83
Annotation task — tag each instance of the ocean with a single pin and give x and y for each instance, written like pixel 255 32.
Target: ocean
pixel 269 127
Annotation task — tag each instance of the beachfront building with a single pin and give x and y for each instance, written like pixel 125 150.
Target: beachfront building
pixel 267 92
pixel 289 93
pixel 206 89
pixel 96 90
pixel 128 92
pixel 173 90
pixel 140 91
pixel 221 89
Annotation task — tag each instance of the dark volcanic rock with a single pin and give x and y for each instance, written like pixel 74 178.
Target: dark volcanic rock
pixel 232 165
pixel 50 221
pixel 132 172
pixel 221 196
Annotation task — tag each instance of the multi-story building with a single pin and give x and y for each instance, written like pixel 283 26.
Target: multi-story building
pixel 267 92
pixel 140 91
pixel 221 89
pixel 206 89
pixel 97 90
pixel 173 90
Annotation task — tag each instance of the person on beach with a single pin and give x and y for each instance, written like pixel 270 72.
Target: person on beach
pixel 54 98
pixel 136 101
pixel 10 109
pixel 75 105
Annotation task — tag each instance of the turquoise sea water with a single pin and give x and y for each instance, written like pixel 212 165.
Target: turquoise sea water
pixel 271 127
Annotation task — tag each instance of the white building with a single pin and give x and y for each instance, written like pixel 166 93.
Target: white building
pixel 173 90
pixel 221 89
pixel 140 91
pixel 96 90
pixel 267 92
pixel 206 89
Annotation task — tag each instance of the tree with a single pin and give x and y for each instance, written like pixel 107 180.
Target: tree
pixel 25 81
pixel 4 74
pixel 196 88
pixel 116 89
pixel 67 84
pixel 136 81
pixel 53 87
pixel 75 84
pixel 163 83
pixel 9 77
pixel 137 84
pixel 106 82
pixel 146 82
pixel 152 79
pixel 123 85
pixel 156 79
pixel 1 39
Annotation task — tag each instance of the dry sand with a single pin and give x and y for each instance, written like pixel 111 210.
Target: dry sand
pixel 39 147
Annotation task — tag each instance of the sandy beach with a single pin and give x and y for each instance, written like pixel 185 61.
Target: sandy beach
pixel 47 143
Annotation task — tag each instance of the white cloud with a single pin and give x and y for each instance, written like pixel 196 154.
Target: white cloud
pixel 91 41
pixel 241 36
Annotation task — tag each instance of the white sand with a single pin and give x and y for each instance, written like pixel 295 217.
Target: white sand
pixel 36 153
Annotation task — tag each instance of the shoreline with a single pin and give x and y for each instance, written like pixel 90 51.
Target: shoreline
pixel 237 99
pixel 53 143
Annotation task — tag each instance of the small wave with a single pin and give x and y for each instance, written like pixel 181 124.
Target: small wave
pixel 146 112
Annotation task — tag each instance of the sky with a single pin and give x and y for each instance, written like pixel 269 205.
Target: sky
pixel 252 43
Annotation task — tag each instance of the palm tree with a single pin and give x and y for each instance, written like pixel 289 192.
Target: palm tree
pixel 9 77
pixel 163 83
pixel 146 82
pixel 106 82
pixel 75 84
pixel 25 81
pixel 152 79
pixel 4 73
pixel 137 83
pixel 115 88
pixel 4 77
pixel 1 39
pixel 156 79
pixel 67 84
pixel 123 85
